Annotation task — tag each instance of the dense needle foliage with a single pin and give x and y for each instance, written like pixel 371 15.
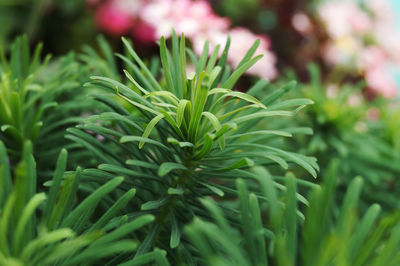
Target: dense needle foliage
pixel 327 234
pixel 344 129
pixel 39 99
pixel 52 227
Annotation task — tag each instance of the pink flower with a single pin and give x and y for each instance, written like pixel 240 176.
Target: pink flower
pixel 349 26
pixel 371 56
pixel 343 18
pixel 144 32
pixel 388 38
pixel 113 20
pixel 381 82
pixel 302 23
pixel 190 17
pixel 149 20
pixel 117 17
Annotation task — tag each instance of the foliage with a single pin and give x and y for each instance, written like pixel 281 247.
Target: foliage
pixel 38 100
pixel 184 137
pixel 340 119
pixel 53 228
pixel 273 233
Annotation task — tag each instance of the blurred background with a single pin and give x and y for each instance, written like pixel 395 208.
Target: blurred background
pixel 352 40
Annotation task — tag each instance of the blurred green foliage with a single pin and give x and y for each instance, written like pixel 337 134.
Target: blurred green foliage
pixel 63 25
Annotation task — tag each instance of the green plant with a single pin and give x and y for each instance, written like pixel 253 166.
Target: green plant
pixel 272 232
pixel 59 227
pixel 342 129
pixel 184 136
pixel 38 100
